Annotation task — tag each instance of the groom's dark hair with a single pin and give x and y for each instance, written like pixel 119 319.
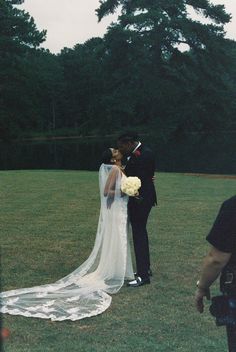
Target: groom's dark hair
pixel 128 137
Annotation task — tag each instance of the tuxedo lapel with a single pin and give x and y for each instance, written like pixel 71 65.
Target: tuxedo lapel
pixel 130 168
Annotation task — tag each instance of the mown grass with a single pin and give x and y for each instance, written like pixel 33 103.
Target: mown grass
pixel 48 223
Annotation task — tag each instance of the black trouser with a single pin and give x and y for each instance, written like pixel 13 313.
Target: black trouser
pixel 231 335
pixel 138 215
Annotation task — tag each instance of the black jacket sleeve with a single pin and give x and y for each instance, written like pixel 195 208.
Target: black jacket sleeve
pixel 223 233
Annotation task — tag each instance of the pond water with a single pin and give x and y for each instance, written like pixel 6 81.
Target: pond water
pixel 209 155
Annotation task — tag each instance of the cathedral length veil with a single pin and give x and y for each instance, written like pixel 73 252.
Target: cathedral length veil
pixel 85 292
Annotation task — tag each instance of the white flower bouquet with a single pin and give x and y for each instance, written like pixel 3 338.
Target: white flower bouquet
pixel 130 186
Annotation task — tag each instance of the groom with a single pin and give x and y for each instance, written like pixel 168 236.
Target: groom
pixel 140 163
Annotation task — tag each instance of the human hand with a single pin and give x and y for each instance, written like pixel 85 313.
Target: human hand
pixel 199 296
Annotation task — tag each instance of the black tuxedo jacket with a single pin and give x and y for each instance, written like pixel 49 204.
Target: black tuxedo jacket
pixel 142 165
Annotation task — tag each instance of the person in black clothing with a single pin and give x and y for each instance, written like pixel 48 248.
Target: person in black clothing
pixel 222 254
pixel 140 162
pixel 221 259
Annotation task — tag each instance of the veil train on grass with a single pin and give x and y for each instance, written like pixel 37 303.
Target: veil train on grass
pixel 86 291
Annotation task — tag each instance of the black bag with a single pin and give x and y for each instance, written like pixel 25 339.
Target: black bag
pixel 223 308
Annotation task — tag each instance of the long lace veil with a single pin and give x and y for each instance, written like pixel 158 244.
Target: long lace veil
pixel 85 292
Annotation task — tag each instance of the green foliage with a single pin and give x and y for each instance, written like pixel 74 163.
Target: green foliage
pixel 166 81
pixel 156 69
pixel 17 29
pixel 18 34
pixel 107 7
pixel 84 82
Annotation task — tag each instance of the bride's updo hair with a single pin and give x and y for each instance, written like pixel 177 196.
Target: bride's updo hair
pixel 107 157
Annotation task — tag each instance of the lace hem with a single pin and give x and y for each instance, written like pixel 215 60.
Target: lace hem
pixel 105 304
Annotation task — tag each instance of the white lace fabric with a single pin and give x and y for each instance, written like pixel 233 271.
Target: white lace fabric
pixel 86 291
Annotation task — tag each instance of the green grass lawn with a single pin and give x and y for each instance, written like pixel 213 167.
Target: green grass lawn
pixel 48 224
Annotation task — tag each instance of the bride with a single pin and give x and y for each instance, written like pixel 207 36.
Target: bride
pixel 86 291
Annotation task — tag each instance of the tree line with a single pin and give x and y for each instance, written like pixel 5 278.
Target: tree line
pixel 156 69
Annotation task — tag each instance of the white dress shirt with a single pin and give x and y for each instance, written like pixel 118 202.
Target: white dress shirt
pixel 139 143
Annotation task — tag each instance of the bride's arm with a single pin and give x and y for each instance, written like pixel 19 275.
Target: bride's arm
pixel 109 189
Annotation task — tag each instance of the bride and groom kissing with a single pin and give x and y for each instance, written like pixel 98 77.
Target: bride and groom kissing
pixel 85 292
pixel 138 160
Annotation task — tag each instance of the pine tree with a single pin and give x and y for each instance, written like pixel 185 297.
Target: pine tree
pixel 166 56
pixel 165 23
pixel 18 34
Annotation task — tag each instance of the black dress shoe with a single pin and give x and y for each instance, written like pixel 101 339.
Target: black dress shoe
pixel 149 273
pixel 138 282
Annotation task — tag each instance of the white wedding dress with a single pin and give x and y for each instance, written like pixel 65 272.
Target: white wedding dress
pixel 86 291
